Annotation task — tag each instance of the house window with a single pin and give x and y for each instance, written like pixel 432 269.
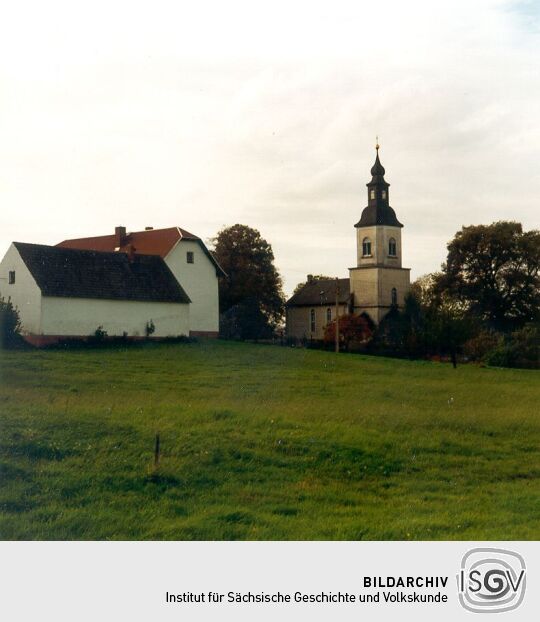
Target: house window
pixel 190 258
pixel 328 315
pixel 384 194
pixel 11 278
pixel 372 194
pixel 394 296
pixel 392 247
pixel 312 320
pixel 366 247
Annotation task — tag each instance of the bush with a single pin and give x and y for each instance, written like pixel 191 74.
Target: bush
pixel 10 325
pixel 99 335
pixel 354 331
pixel 481 345
pixel 520 349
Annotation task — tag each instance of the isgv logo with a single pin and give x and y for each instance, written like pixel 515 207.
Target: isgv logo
pixel 491 580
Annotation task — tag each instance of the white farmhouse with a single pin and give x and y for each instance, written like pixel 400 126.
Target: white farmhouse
pixel 62 293
pixel 185 254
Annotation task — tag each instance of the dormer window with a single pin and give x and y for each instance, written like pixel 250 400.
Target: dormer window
pixel 366 247
pixel 392 247
pixel 372 194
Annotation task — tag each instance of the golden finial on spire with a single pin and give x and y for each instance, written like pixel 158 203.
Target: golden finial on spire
pixel 377 143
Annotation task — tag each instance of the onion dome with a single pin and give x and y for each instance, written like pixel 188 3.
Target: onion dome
pixel 377 170
pixel 378 210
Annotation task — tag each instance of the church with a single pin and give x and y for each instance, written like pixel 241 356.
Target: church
pixel 377 283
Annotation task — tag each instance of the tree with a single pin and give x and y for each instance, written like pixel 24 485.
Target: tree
pixel 429 323
pixel 251 299
pixel 494 272
pixel 245 321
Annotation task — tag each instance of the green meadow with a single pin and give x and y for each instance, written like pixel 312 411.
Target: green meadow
pixel 262 442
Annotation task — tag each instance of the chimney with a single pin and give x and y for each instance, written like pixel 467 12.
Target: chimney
pixel 310 278
pixel 120 236
pixel 130 251
pixel 148 228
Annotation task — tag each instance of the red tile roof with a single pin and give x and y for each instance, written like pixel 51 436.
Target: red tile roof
pixel 149 242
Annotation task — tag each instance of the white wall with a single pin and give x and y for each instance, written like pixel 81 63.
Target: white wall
pixel 82 316
pixel 200 282
pixel 24 293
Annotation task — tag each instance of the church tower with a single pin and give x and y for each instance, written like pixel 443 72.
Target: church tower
pixel 379 281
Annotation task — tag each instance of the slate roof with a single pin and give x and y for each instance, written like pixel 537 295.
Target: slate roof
pixel 149 242
pixel 377 173
pixel 378 212
pixel 321 292
pixel 378 215
pixel 73 273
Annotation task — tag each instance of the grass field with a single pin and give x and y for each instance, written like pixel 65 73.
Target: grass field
pixel 262 442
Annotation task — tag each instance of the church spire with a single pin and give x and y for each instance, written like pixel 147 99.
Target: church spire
pixel 378 210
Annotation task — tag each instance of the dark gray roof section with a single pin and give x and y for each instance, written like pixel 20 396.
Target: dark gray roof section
pixel 73 273
pixel 321 292
pixel 377 172
pixel 378 215
pixel 378 211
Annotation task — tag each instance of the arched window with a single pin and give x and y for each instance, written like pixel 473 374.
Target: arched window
pixel 384 194
pixel 328 315
pixel 312 320
pixel 392 247
pixel 372 194
pixel 366 247
pixel 394 297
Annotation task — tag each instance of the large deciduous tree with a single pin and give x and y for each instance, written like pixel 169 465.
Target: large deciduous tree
pixel 250 296
pixel 494 271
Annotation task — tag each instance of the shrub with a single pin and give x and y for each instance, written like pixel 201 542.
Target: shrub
pixel 99 334
pixel 520 349
pixel 354 331
pixel 150 328
pixel 10 324
pixel 481 345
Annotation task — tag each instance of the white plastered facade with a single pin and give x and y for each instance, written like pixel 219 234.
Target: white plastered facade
pixel 24 293
pixel 80 317
pixel 200 282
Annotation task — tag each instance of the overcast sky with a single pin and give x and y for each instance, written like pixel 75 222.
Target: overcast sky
pixel 203 114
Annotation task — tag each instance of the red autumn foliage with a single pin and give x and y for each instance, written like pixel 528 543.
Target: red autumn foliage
pixel 354 330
